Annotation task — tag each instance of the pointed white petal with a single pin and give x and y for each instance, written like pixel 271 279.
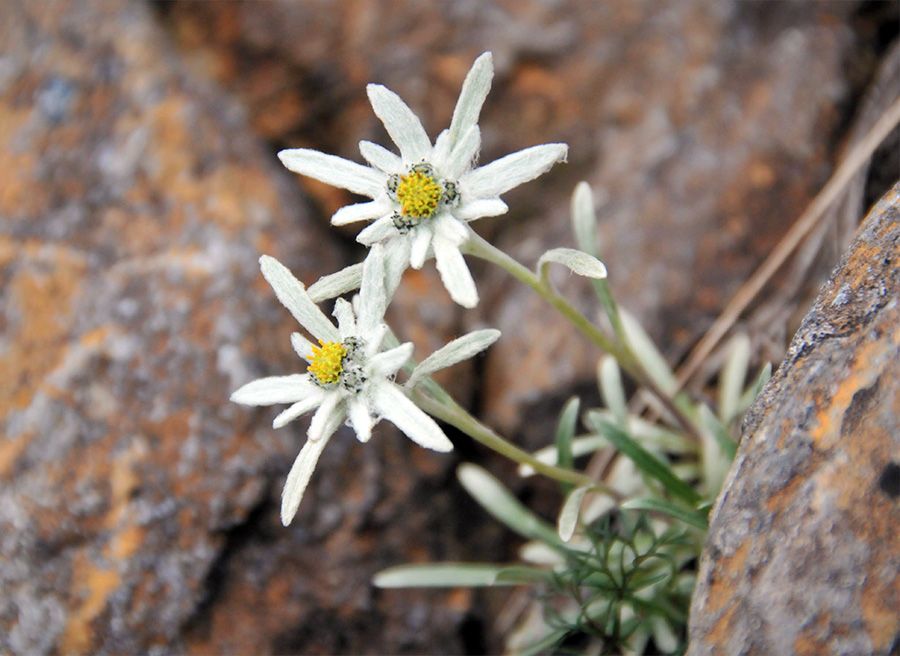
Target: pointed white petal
pixel 335 284
pixel 298 478
pixel 393 405
pixel 458 350
pixel 421 240
pixel 360 212
pixel 275 389
pixel 511 171
pixel 343 312
pixel 455 274
pixel 389 362
pixel 335 171
pixel 302 346
pixel 293 296
pixel 441 151
pixel 451 229
pixel 480 208
pixel 463 154
pixel 396 261
pixel 360 419
pixel 328 417
pixel 401 123
pixel 474 91
pixel 381 229
pixel 374 339
pixel 372 297
pixel 299 408
pixel 381 158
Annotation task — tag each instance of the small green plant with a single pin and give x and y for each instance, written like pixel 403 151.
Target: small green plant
pixel 616 571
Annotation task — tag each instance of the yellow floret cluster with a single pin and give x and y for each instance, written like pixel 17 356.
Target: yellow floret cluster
pixel 419 195
pixel 327 362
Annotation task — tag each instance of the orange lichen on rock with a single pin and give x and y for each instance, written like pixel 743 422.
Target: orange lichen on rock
pixel 819 570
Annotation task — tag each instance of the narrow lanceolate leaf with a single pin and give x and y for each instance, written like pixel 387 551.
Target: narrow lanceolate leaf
pixel 755 388
pixel 293 296
pixel 335 284
pixel 732 379
pixel 373 299
pixel 692 517
pixel 612 389
pixel 334 171
pixel 565 432
pixel 475 89
pixel 500 503
pixel 549 454
pixel 445 575
pixel 647 462
pixel 298 477
pixel 649 356
pixel 712 424
pixel 584 220
pixel 456 351
pixel 576 261
pixel 512 170
pixel 718 450
pixel 568 516
pixel 401 123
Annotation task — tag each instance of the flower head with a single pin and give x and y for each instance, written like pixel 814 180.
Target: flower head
pixel 423 198
pixel 349 377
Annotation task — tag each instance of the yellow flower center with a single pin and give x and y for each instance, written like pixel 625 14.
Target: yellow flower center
pixel 419 195
pixel 327 362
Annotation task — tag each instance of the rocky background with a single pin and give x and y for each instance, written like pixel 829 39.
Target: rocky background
pixel 138 508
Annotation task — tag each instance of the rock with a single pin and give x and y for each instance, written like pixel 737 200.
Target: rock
pixel 803 552
pixel 138 506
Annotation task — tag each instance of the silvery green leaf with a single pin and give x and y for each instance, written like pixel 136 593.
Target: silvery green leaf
pixel 584 219
pixel 538 553
pixel 443 575
pixel 734 373
pixel 717 453
pixel 649 463
pixel 291 293
pixel 718 430
pixel 456 351
pixel 750 394
pixel 568 516
pixel 663 635
pixel 472 96
pixel 576 261
pixel 549 454
pixel 649 356
pixel 335 284
pixel 649 434
pixel 692 517
pixel 611 387
pixel 500 503
pixel 565 433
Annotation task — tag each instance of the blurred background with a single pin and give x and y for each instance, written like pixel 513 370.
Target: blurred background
pixel 139 185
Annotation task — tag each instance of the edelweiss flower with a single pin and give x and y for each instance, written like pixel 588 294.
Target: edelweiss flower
pixel 349 376
pixel 423 199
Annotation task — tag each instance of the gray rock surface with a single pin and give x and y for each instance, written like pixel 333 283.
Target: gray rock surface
pixel 803 554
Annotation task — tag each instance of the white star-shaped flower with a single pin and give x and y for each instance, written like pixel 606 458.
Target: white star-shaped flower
pixel 349 377
pixel 423 199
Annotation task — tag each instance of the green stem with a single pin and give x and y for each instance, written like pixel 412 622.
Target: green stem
pixel 618 349
pixel 441 405
pixel 480 248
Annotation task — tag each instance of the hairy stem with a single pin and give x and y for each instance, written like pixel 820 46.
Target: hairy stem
pixel 436 402
pixel 619 348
